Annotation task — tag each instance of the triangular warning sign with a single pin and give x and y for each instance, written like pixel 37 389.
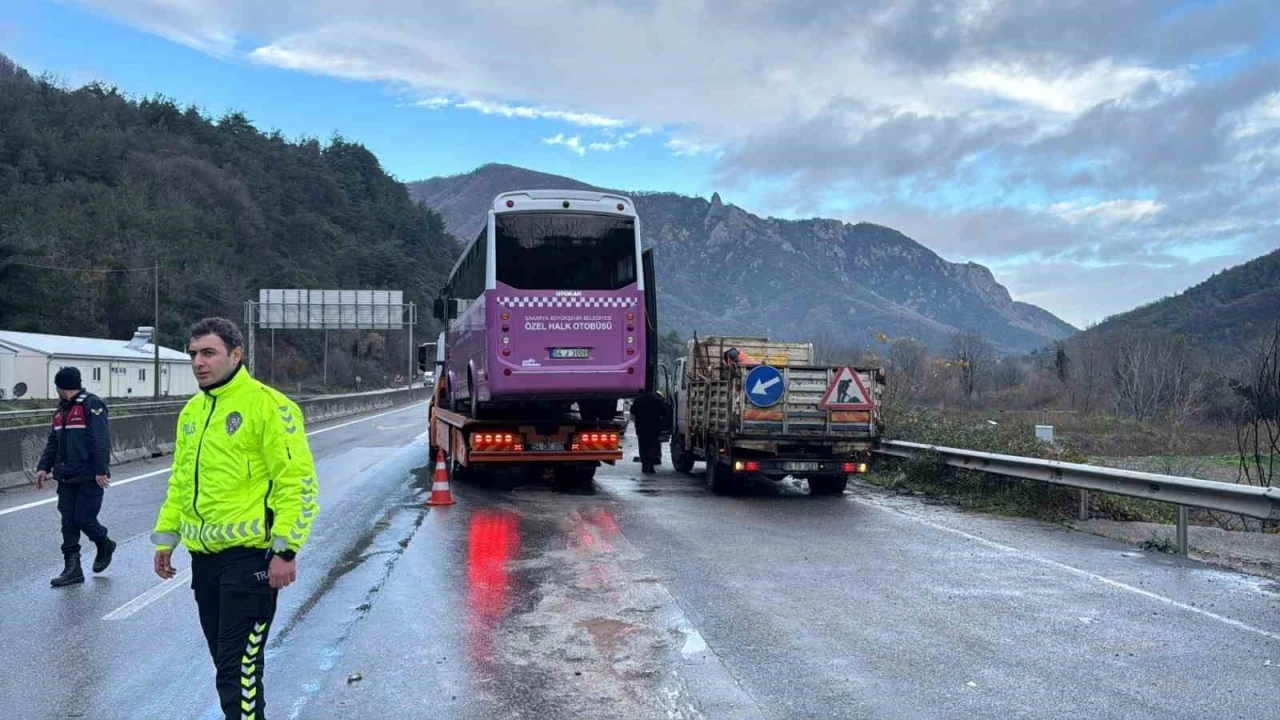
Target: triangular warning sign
pixel 846 392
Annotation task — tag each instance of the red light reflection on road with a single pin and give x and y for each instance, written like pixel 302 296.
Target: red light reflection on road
pixel 493 541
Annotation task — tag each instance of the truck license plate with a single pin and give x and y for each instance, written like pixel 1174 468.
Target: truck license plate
pixel 546 447
pixel 801 466
pixel 581 353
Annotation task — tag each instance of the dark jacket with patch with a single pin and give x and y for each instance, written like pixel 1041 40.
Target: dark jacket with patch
pixel 79 443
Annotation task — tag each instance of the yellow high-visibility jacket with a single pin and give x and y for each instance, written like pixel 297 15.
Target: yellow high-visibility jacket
pixel 243 475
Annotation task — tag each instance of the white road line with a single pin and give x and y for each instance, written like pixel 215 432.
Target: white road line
pixel 162 471
pixel 179 580
pixel 1084 573
pixel 150 596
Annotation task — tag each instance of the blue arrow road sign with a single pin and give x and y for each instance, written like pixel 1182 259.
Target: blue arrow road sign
pixel 764 386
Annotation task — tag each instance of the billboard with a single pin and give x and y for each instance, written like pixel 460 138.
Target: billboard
pixel 333 310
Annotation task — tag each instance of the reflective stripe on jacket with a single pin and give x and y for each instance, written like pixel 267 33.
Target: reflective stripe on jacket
pixel 243 475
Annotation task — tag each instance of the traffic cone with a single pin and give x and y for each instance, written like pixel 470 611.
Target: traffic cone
pixel 440 494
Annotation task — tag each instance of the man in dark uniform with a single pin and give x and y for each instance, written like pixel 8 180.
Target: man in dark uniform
pixel 78 455
pixel 647 412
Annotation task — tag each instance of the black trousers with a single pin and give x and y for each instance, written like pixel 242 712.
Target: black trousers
pixel 650 450
pixel 79 501
pixel 237 605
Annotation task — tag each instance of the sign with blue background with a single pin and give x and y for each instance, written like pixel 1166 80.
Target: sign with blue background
pixel 764 386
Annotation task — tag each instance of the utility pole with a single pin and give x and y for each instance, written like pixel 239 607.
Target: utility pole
pixel 155 331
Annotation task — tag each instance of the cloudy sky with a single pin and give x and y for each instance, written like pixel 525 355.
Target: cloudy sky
pixel 1096 154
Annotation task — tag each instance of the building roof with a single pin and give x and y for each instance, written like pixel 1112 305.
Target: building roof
pixel 81 347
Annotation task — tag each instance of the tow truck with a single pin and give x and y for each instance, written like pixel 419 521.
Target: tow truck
pixel 564 444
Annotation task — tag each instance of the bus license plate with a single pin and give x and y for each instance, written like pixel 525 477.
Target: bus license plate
pixel 582 353
pixel 546 447
pixel 801 466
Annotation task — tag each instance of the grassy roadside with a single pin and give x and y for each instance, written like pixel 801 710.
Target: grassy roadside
pixel 993 494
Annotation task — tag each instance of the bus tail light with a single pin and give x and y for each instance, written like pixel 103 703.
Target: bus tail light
pixel 511 203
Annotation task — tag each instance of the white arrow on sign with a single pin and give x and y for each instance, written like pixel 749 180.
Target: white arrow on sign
pixel 762 387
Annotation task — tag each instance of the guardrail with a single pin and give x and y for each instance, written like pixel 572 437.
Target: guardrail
pixel 9 418
pixel 1183 492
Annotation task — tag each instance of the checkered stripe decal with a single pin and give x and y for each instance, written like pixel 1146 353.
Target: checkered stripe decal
pixel 526 301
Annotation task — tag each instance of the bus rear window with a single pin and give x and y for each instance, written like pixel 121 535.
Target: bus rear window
pixel 556 251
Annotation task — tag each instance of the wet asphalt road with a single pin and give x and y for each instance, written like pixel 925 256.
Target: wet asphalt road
pixel 645 598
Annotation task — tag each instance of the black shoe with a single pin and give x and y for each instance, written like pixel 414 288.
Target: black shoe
pixel 106 549
pixel 71 573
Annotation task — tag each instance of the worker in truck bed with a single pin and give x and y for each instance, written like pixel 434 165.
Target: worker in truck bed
pixel 647 411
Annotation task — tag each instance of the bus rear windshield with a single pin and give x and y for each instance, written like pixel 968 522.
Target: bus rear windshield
pixel 557 251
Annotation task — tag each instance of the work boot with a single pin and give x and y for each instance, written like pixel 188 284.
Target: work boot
pixel 71 573
pixel 106 549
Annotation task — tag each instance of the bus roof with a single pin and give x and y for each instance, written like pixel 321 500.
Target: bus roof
pixel 579 200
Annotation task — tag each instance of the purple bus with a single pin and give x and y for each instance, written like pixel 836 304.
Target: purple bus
pixel 547 306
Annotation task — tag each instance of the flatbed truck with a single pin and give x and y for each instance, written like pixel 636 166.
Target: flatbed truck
pixel 751 406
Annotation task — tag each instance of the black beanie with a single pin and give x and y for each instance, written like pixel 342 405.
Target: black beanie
pixel 68 378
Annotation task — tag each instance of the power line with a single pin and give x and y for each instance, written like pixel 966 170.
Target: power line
pixel 149 269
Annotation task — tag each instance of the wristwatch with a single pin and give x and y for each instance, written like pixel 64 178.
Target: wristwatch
pixel 287 555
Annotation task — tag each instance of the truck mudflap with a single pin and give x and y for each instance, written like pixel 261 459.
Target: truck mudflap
pixel 785 466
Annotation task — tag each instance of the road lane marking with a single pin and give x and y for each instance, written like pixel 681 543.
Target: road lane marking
pixel 150 596
pixel 1083 573
pixel 153 473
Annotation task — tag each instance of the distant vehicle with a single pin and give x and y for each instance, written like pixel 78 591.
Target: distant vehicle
pixel 548 306
pixel 748 406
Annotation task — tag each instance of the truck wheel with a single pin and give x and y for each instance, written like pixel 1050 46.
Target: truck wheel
pixel 719 477
pixel 681 458
pixel 828 484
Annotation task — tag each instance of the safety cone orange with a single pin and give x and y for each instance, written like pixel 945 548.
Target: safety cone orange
pixel 440 494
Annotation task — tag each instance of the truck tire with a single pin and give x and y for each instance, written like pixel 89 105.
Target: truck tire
pixel 719 477
pixel 828 484
pixel 681 458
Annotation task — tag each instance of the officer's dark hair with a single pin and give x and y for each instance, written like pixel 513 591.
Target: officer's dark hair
pixel 223 328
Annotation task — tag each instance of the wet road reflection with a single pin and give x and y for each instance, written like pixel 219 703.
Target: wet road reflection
pixel 493 540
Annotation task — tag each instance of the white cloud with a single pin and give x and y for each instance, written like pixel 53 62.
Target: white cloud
pixel 434 103
pixel 688 147
pixel 531 113
pixel 609 146
pixel 574 144
pixel 1072 91
pixel 1109 212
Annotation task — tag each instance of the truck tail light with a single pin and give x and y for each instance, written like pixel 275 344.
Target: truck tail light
pixel 855 467
pixel 596 441
pixel 497 442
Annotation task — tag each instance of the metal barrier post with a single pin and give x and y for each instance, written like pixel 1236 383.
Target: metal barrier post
pixel 1084 505
pixel 1182 530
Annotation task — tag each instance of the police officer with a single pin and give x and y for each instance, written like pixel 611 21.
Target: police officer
pixel 242 498
pixel 77 454
pixel 647 412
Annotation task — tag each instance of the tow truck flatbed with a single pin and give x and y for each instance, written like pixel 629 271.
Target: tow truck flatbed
pixel 566 443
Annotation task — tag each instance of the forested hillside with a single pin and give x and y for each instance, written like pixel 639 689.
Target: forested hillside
pixel 92 179
pixel 1221 314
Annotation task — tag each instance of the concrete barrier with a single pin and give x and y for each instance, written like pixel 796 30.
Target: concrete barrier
pixel 136 437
